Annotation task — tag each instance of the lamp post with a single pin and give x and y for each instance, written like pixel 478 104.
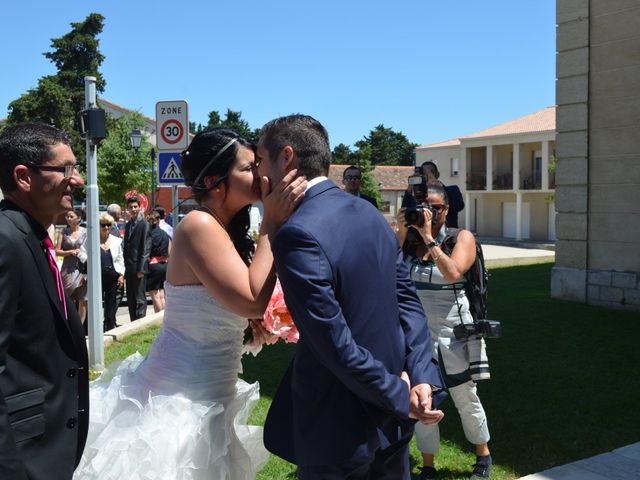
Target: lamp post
pixel 136 141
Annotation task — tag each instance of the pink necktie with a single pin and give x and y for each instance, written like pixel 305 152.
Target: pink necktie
pixel 47 244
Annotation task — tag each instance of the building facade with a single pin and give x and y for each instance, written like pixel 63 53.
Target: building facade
pixel 506 174
pixel 598 150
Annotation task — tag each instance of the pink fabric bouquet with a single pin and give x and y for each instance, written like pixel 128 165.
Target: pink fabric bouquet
pixel 275 324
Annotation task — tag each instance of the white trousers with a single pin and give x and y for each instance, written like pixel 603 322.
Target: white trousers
pixel 474 420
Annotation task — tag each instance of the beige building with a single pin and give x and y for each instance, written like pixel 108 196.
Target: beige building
pixel 505 174
pixel 598 149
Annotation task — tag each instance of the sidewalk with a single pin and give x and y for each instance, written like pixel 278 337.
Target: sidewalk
pixel 620 464
pixel 507 256
pixel 127 327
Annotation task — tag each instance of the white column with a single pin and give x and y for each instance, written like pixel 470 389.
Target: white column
pixel 516 166
pixel 467 211
pixel 518 216
pixel 545 165
pixel 489 168
pixel 463 168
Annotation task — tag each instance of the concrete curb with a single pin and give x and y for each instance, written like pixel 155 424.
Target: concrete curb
pixel 134 327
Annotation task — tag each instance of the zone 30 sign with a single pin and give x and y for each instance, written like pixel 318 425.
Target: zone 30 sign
pixel 172 125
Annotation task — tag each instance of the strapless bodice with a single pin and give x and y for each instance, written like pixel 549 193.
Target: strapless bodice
pixel 199 346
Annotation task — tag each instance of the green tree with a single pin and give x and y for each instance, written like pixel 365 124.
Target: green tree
pixel 387 147
pixel 342 155
pixel 59 98
pixel 120 168
pixel 233 120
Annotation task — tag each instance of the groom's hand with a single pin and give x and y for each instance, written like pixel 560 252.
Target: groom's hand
pixel 420 405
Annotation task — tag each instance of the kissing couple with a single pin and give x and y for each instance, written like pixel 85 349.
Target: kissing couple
pixel 362 373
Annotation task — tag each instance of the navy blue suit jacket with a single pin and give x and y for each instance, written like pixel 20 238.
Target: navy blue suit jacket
pixel 361 324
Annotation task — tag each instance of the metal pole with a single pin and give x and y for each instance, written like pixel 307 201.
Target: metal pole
pixel 94 280
pixel 153 178
pixel 174 205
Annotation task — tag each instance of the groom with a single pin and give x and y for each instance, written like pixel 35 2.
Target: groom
pixel 342 409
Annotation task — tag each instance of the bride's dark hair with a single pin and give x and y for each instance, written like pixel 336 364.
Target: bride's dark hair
pixel 207 156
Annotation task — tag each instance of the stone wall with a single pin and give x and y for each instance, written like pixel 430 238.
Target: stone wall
pixel 598 150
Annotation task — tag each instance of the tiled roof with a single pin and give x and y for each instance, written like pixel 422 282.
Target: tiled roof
pixel 391 177
pixel 124 110
pixel 447 143
pixel 541 121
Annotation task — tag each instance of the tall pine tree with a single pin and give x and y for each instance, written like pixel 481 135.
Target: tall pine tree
pixel 59 98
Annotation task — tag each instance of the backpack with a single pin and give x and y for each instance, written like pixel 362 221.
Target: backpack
pixel 476 279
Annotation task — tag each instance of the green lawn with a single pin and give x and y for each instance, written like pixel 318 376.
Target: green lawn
pixel 564 381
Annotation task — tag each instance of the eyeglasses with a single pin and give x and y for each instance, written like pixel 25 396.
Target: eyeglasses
pixel 352 178
pixel 437 206
pixel 66 170
pixel 105 225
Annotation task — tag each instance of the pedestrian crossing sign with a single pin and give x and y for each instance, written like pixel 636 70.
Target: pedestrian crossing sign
pixel 169 171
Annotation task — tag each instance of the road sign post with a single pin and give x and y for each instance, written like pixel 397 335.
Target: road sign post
pixel 172 136
pixel 172 125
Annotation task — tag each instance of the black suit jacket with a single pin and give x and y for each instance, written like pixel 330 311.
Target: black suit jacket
pixel 137 246
pixel 369 199
pixel 44 386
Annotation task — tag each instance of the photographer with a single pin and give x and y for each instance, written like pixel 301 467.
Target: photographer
pixel 438 276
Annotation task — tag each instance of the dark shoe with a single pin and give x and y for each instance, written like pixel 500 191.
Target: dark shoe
pixel 426 473
pixel 482 468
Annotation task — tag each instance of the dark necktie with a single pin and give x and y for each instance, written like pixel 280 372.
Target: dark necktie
pixel 47 244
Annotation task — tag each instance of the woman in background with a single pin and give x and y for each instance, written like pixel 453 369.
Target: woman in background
pixel 71 247
pixel 112 267
pixel 439 278
pixel 160 249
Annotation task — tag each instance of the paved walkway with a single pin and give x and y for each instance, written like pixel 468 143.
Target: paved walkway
pixel 620 464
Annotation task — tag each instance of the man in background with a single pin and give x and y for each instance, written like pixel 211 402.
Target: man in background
pixel 137 246
pixel 164 226
pixel 116 212
pixel 352 180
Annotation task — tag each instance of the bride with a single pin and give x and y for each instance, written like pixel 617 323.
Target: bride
pixel 181 412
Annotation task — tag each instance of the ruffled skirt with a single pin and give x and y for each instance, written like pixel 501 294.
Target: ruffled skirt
pixel 135 434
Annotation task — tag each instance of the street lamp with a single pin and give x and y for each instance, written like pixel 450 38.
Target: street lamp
pixel 136 141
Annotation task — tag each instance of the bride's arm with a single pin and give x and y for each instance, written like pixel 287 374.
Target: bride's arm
pixel 214 260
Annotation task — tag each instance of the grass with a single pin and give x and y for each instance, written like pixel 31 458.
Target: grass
pixel 564 382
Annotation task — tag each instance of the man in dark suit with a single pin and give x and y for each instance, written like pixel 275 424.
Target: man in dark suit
pixel 352 179
pixel 44 389
pixel 137 246
pixel 343 409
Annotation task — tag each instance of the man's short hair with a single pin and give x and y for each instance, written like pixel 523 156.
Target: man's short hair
pixel 308 138
pixel 351 167
pixel 26 144
pixel 133 199
pixel 432 166
pixel 160 211
pixel 113 209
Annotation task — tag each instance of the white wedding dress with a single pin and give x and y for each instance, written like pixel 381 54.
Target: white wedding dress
pixel 181 412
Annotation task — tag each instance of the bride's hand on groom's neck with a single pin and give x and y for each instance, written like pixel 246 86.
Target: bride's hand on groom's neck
pixel 281 199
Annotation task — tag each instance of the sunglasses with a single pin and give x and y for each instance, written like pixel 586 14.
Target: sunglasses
pixel 66 170
pixel 105 225
pixel 352 178
pixel 437 206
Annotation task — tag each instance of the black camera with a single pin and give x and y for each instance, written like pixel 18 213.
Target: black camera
pixel 413 215
pixel 481 328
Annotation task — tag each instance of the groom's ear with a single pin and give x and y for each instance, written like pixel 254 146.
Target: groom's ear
pixel 289 158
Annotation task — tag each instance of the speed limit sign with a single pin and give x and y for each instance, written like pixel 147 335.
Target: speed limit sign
pixel 172 125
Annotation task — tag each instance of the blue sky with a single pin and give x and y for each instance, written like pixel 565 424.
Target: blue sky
pixel 432 69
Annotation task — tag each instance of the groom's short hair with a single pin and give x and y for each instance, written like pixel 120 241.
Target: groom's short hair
pixel 308 138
